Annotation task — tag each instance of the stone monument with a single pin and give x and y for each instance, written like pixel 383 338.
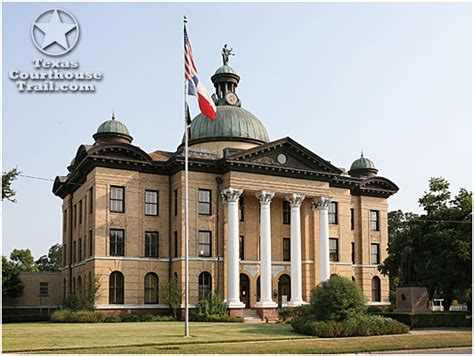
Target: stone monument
pixel 411 298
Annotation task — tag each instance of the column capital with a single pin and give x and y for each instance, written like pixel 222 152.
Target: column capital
pixel 231 194
pixel 295 199
pixel 265 197
pixel 321 203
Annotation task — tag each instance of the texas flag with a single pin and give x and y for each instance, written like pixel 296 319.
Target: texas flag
pixel 195 87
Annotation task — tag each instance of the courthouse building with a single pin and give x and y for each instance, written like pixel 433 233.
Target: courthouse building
pixel 268 219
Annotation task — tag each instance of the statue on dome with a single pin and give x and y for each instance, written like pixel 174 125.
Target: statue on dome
pixel 226 52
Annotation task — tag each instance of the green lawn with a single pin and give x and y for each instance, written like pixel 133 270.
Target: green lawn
pixel 166 337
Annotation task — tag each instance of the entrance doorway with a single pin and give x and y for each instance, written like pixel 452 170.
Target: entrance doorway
pixel 284 290
pixel 245 290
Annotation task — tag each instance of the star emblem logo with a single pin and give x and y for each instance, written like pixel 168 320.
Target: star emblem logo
pixel 55 32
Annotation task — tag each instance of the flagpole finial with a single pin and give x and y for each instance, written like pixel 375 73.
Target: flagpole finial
pixel 113 114
pixel 362 153
pixel 185 20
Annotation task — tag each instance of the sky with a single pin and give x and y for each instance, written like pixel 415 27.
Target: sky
pixel 393 79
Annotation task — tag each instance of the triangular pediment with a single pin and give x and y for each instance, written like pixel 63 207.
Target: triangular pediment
pixel 284 153
pixel 379 184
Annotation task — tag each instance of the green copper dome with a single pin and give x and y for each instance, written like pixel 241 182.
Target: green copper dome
pixel 363 167
pixel 225 69
pixel 113 126
pixel 232 123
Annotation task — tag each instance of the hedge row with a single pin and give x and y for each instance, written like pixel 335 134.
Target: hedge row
pixel 215 318
pixel 69 316
pixel 24 318
pixel 451 319
pixel 367 325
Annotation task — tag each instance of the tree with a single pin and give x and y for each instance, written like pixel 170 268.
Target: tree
pixel 7 180
pixel 51 262
pixel 337 299
pixel 441 239
pixel 173 296
pixel 23 260
pixel 12 286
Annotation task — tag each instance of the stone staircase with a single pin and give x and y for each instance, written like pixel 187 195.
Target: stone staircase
pixel 251 316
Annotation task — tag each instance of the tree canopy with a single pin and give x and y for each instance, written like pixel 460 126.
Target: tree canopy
pixel 442 239
pixel 11 284
pixel 52 261
pixel 23 260
pixel 7 180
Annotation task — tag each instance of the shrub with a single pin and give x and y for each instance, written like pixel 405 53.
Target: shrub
pixel 451 319
pixel 337 299
pixel 24 318
pixel 287 314
pixel 366 325
pixel 215 318
pixel 83 316
pixel 112 318
pixel 163 318
pixel 146 317
pixel 212 304
pixel 62 316
pixel 130 318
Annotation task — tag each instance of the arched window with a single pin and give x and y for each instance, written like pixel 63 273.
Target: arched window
pixel 73 285
pixel 116 282
pixel 376 289
pixel 151 288
pixel 205 283
pixel 79 285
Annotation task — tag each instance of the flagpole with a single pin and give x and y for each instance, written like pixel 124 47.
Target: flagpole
pixel 186 187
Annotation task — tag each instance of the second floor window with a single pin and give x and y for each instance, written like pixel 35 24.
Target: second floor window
pixel 205 202
pixel 117 242
pixel 374 220
pixel 286 249
pixel 151 202
pixel 80 249
pixel 175 202
pixel 117 199
pixel 241 209
pixel 90 243
pixel 352 219
pixel 286 212
pixel 151 244
pixel 175 244
pixel 205 244
pixel 333 250
pixel 80 212
pixel 74 256
pixel 332 214
pixel 353 259
pixel 91 203
pixel 374 254
pixel 241 247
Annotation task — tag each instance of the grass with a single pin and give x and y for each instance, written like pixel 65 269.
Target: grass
pixel 166 337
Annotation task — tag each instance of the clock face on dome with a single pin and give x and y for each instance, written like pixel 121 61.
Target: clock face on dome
pixel 231 98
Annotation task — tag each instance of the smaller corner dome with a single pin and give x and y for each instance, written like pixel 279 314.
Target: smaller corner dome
pixel 113 131
pixel 113 126
pixel 225 69
pixel 362 167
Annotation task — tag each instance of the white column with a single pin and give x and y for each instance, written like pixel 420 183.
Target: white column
pixel 231 197
pixel 322 204
pixel 266 300
pixel 296 274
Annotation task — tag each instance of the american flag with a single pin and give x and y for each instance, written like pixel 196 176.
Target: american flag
pixel 190 69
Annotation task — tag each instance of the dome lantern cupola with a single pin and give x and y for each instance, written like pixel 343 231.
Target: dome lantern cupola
pixel 112 131
pixel 363 167
pixel 234 126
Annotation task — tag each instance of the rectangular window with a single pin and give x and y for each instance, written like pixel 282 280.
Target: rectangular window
pixel 374 254
pixel 353 259
pixel 352 219
pixel 64 255
pixel 80 250
pixel 90 243
pixel 151 244
pixel 74 216
pixel 64 220
pixel 333 250
pixel 117 242
pixel 151 202
pixel 117 199
pixel 44 289
pixel 241 209
pixel 74 252
pixel 205 202
pixel 241 248
pixel 332 214
pixel 175 202
pixel 374 220
pixel 205 244
pixel 175 244
pixel 286 212
pixel 80 212
pixel 91 204
pixel 286 249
